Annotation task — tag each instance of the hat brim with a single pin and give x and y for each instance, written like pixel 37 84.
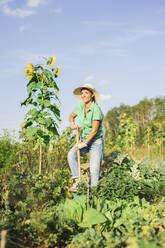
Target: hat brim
pixel 77 93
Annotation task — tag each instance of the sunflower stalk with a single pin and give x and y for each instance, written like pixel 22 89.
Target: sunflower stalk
pixel 41 121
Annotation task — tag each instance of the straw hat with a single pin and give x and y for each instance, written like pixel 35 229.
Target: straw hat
pixel 77 91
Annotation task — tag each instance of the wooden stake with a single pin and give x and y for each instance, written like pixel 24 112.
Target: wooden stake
pixel 78 154
pixel 3 239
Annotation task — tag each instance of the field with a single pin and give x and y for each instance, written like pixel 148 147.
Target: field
pixel 125 210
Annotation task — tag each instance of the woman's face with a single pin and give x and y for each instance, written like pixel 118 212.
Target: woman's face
pixel 86 95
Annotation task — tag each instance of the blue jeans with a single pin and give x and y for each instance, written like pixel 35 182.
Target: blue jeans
pixel 96 149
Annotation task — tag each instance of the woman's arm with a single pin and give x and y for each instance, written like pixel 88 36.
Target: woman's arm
pixel 72 116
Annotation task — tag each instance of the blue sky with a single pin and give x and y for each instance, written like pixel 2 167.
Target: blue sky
pixel 118 46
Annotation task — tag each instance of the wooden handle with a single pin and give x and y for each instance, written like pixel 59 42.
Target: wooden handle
pixel 78 154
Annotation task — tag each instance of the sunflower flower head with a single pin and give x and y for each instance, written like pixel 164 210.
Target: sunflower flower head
pixel 156 124
pixel 124 115
pixel 29 70
pixel 58 71
pixel 30 66
pixel 52 61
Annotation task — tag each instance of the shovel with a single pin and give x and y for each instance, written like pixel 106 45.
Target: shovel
pixel 78 160
pixel 78 154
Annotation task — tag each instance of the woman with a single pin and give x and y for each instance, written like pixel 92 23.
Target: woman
pixel 90 118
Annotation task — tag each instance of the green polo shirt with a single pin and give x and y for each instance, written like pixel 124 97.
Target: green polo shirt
pixel 94 113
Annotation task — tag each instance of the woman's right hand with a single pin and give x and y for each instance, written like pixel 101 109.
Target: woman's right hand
pixel 73 125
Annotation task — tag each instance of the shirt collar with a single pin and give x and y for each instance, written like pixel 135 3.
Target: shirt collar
pixel 90 106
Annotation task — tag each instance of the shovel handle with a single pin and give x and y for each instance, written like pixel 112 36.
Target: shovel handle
pixel 78 154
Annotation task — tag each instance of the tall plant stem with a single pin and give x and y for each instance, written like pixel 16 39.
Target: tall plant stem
pixel 40 160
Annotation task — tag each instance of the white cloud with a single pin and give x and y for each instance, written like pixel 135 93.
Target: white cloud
pixel 21 12
pixel 5 2
pixel 56 11
pixel 105 97
pixel 89 78
pixel 22 28
pixel 118 44
pixel 17 12
pixel 35 3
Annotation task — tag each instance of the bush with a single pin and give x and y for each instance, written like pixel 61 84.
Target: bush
pixel 8 152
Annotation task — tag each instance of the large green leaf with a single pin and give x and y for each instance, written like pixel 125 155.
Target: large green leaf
pixel 34 85
pixel 74 209
pixel 40 101
pixel 56 111
pixel 146 244
pixel 92 217
pixel 53 131
pixel 48 121
pixel 31 131
pixel 34 112
pixel 27 101
pixel 45 137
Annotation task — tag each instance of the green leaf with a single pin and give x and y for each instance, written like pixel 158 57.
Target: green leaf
pixel 34 85
pixel 48 122
pixel 55 110
pixel 27 101
pixel 146 244
pixel 31 131
pixel 46 103
pixel 92 217
pixel 53 131
pixel 34 112
pixel 28 123
pixel 40 101
pixel 46 139
pixel 55 87
pixel 74 209
pixel 41 120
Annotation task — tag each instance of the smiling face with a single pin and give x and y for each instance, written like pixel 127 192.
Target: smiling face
pixel 86 95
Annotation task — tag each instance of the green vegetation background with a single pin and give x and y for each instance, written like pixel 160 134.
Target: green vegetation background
pixel 125 210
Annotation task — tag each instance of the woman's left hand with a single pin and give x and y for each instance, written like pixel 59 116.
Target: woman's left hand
pixel 80 145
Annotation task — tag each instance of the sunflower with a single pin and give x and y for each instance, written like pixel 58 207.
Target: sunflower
pixel 52 61
pixel 29 70
pixel 58 71
pixel 156 124
pixel 124 115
